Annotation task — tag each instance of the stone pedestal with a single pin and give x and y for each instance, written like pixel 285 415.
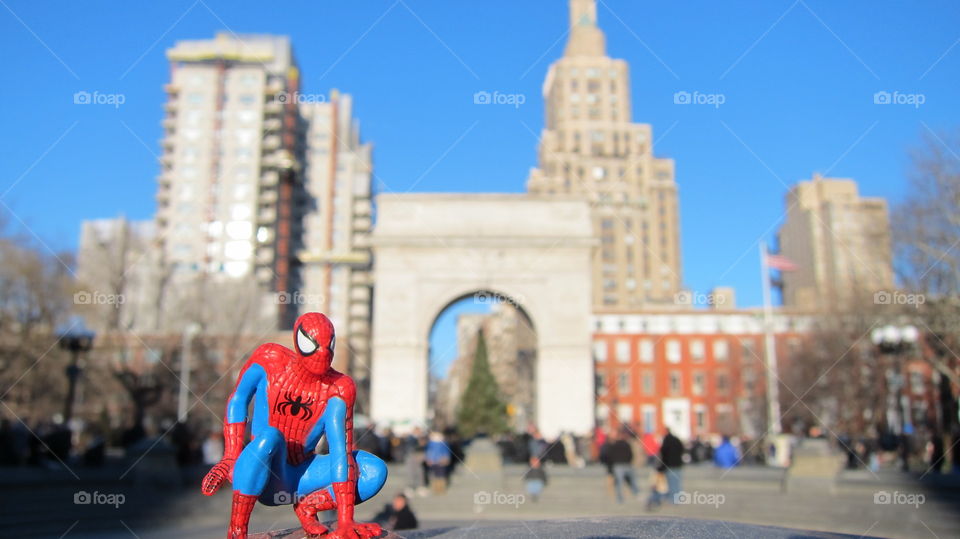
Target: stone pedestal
pixel 298 533
pixel 621 527
pixel 483 458
pixel 814 464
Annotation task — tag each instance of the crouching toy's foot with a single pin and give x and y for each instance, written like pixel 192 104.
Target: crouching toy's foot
pixel 356 530
pixel 307 508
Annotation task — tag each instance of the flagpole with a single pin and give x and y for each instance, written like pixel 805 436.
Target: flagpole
pixel 773 389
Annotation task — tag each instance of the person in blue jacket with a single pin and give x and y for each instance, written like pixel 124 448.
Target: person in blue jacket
pixel 726 455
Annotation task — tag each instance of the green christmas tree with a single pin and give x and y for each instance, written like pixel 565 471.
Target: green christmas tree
pixel 481 409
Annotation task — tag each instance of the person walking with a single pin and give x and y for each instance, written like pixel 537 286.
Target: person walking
pixel 650 448
pixel 438 457
pixel 453 441
pixel 604 458
pixel 535 479
pixel 620 456
pixel 413 449
pixel 671 462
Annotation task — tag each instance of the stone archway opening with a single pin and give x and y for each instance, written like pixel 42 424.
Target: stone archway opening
pixel 431 249
pixel 511 343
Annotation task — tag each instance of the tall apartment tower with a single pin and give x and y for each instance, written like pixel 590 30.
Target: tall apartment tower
pixel 591 149
pixel 336 257
pixel 230 182
pixel 840 243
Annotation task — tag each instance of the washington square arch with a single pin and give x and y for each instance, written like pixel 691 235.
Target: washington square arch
pixel 432 249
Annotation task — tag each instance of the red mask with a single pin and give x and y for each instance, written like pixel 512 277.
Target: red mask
pixel 314 340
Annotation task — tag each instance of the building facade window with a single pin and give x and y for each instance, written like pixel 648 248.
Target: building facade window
pixel 699 383
pixel 676 382
pixel 623 383
pixel 649 414
pixel 722 383
pixel 623 350
pixel 721 350
pixel 600 351
pixel 700 417
pixel 698 350
pixel 673 351
pixel 646 350
pixel 648 383
pixel 625 413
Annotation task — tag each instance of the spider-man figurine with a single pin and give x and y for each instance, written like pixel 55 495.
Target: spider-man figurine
pixel 297 398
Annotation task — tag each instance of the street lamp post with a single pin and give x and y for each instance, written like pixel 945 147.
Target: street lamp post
pixel 76 339
pixel 892 341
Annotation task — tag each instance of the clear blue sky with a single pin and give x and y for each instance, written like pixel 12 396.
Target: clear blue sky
pixel 798 80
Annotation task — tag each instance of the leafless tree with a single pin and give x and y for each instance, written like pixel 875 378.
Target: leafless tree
pixel 835 379
pixel 34 295
pixel 926 230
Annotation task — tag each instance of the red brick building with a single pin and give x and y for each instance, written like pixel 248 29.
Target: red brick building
pixel 699 372
pixel 703 372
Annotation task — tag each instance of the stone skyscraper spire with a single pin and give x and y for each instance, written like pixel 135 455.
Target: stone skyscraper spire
pixel 586 38
pixel 591 149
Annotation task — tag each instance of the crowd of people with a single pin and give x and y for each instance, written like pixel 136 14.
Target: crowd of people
pixel 44 443
pixel 428 459
pixel 624 454
pixel 922 448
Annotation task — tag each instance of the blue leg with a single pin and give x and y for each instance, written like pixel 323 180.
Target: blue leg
pixel 257 462
pixel 371 475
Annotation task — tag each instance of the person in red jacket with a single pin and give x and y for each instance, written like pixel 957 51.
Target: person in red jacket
pixel 650 448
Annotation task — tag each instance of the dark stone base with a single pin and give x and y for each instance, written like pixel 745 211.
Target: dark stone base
pixel 597 528
pixel 298 533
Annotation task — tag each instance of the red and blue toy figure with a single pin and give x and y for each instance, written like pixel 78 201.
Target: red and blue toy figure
pixel 297 398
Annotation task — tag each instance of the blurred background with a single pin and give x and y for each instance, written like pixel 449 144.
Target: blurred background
pixel 584 257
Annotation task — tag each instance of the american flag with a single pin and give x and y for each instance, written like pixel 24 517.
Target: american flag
pixel 780 262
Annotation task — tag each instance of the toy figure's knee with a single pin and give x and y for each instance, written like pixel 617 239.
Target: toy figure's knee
pixel 371 475
pixel 267 443
pixel 252 470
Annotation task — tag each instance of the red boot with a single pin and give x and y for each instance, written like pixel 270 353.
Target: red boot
pixel 240 515
pixel 308 507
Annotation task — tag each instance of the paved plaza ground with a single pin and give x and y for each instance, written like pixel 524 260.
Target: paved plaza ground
pixel 853 503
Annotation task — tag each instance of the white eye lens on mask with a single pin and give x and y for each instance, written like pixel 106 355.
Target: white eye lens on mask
pixel 305 344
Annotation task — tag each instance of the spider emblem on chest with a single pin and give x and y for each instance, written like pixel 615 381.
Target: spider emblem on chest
pixel 295 406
